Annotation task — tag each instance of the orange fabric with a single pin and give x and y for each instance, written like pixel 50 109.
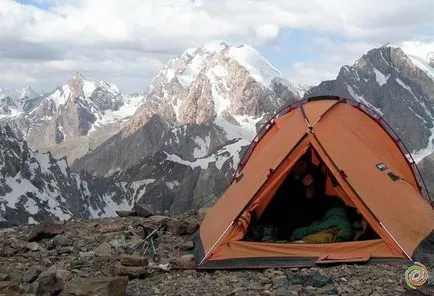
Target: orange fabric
pixel 355 143
pixel 396 204
pixel 314 110
pixel 243 249
pixel 343 258
pixel 266 156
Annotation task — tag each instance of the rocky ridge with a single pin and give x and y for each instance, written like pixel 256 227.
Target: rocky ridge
pixel 97 257
pixel 35 187
pixel 73 119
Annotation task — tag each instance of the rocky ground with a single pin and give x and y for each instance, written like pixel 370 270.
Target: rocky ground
pixel 102 257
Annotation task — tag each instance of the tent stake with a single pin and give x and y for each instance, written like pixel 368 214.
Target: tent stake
pixel 212 248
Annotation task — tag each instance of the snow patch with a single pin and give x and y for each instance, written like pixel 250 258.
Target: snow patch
pixel 420 54
pixel 380 77
pixel 111 207
pixel 219 158
pixel 259 67
pixel 201 149
pixel 191 71
pixel 30 220
pixel 132 103
pixel 406 87
pixel 62 164
pixel 422 153
pixel 44 161
pixel 246 129
pixel 172 184
pixel 362 100
pixel 88 88
pixel 218 79
pixel 424 66
pixel 31 206
pixel 214 47
pixel 170 74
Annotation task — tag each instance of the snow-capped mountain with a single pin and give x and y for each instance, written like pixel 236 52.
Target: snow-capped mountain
pixel 191 169
pixel 35 187
pixel 179 149
pixel 14 102
pixel 200 112
pixel 215 83
pixel 64 120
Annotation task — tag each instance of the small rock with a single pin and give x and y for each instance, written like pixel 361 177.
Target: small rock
pixel 133 260
pixel 296 288
pixel 103 250
pixel 62 241
pixel 65 250
pixel 32 273
pixel 201 213
pixel 103 286
pixel 108 228
pixel 47 262
pixel 7 231
pixel 34 246
pixel 280 281
pixel 186 261
pixel 190 272
pixel 282 291
pixel 327 290
pixel 272 273
pixel 126 213
pixel 64 275
pixel 144 210
pixel 188 245
pixel 131 271
pixel 9 288
pixel 48 283
pixel 305 278
pixel 159 219
pixel 86 255
pixel 79 262
pixel 118 244
pixel 4 277
pixel 183 227
pixel 45 230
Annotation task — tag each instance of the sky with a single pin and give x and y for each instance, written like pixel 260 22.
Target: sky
pixel 44 42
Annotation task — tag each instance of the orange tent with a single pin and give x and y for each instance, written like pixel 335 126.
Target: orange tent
pixel 370 172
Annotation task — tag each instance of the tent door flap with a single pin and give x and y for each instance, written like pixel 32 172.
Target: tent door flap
pixel 342 258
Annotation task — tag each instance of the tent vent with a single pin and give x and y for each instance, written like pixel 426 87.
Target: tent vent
pixel 393 176
pixel 381 166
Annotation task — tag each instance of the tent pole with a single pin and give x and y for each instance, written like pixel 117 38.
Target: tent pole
pixel 396 242
pixel 212 248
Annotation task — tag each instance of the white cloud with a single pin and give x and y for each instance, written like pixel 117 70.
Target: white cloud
pixel 325 65
pixel 122 39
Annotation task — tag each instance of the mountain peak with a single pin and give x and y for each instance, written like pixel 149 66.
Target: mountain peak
pixel 78 76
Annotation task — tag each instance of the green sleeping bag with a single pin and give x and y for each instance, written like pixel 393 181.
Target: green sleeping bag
pixel 335 218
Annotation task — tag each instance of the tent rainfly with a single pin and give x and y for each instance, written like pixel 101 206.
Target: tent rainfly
pixel 368 168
